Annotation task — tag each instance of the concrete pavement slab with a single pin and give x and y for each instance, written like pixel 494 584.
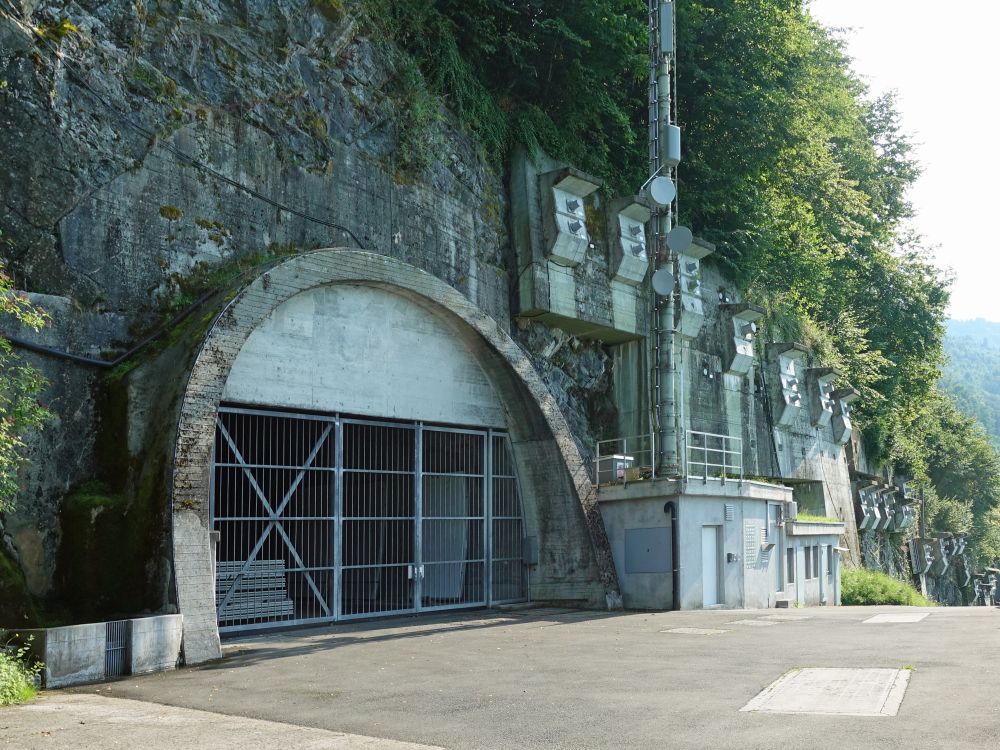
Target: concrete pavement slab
pixel 838 692
pixel 61 721
pixel 695 631
pixel 905 617
pixel 785 618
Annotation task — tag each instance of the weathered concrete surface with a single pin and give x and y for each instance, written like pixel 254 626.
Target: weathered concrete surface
pixel 557 679
pixel 62 721
pixel 155 643
pixel 72 654
pixel 357 349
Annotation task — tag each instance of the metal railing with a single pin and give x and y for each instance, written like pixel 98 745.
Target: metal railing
pixel 633 459
pixel 712 456
pixel 624 460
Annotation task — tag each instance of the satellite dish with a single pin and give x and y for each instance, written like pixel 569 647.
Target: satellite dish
pixel 663 282
pixel 679 239
pixel 662 191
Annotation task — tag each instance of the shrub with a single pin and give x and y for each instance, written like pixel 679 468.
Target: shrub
pixel 869 587
pixel 17 675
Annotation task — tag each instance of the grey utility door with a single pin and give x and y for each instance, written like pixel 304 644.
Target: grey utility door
pixel 710 565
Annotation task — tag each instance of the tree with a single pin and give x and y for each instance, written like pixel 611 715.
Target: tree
pixel 20 385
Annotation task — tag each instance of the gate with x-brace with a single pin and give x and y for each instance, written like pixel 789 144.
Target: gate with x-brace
pixel 322 518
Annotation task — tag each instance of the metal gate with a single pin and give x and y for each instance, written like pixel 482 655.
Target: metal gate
pixel 324 518
pixel 117 659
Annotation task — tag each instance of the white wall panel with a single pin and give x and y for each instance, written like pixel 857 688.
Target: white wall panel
pixel 362 350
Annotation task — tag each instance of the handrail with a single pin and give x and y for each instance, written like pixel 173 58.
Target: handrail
pixel 630 459
pixel 726 456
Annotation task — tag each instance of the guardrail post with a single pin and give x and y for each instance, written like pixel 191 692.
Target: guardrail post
pixel 625 462
pixel 704 466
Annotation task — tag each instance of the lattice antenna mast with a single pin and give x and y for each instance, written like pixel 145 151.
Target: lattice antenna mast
pixel 664 156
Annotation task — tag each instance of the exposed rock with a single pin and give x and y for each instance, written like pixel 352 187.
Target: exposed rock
pixel 162 140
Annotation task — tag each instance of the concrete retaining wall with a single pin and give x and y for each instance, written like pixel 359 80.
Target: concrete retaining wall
pixel 156 643
pixel 75 654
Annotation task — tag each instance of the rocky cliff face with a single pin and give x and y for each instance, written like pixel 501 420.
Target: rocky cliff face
pixel 161 136
pixel 151 149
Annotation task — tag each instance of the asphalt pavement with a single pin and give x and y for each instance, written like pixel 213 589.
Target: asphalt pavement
pixel 545 678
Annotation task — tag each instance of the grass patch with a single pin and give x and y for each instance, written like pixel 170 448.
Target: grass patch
pixel 810 518
pixel 171 213
pixel 17 674
pixel 869 587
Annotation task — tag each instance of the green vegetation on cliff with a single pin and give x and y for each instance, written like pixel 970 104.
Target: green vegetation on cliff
pixel 870 587
pixel 790 166
pixel 20 386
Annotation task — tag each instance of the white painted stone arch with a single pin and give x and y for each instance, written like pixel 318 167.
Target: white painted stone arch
pixel 560 501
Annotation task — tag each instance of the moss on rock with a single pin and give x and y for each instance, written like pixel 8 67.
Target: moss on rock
pixel 17 607
pixel 96 554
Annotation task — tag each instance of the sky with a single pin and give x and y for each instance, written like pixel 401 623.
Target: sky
pixel 941 59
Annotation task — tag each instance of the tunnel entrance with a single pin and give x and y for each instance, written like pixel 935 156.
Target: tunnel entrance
pixel 324 517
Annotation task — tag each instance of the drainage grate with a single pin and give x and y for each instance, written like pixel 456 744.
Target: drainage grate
pixel 117 661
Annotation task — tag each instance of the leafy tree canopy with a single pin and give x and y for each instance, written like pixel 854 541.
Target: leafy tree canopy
pixel 972 373
pixel 791 167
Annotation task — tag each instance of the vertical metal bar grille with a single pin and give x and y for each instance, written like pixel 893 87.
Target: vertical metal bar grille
pixel 378 554
pixel 274 511
pixel 117 660
pixel 324 518
pixel 507 533
pixel 453 566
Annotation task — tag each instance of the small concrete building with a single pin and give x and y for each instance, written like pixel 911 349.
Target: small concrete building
pixel 737 546
pixel 812 567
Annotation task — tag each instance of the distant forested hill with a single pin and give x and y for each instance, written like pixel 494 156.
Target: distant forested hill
pixel 972 375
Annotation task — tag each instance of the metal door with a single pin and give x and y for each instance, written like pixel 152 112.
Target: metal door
pixel 324 518
pixel 710 565
pixel 379 521
pixel 452 518
pixel 776 555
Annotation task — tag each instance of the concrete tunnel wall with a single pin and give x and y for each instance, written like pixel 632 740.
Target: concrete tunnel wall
pixel 560 506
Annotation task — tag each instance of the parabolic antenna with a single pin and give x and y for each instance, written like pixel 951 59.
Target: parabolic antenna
pixel 679 239
pixel 663 282
pixel 662 191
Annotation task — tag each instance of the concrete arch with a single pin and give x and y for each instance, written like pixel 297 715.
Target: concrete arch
pixel 547 456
